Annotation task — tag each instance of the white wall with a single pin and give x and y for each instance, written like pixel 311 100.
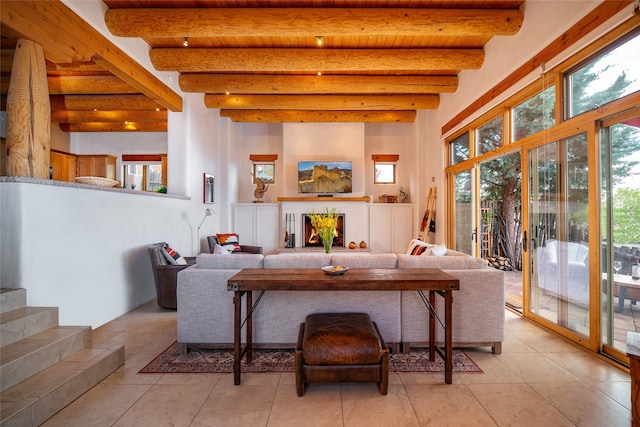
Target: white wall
pixel 322 142
pixel 257 138
pixel 83 250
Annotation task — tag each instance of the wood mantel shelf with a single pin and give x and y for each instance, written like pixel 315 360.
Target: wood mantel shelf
pixel 324 199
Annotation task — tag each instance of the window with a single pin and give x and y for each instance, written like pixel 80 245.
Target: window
pixel 489 136
pixel 385 173
pixel 535 114
pixel 264 167
pixel 265 171
pixel 143 172
pixel 605 78
pixel 459 149
pixel 384 168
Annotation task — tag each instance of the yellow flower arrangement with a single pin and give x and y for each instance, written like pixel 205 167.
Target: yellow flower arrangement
pixel 325 225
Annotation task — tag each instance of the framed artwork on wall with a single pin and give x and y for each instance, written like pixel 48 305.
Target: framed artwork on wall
pixel 208 186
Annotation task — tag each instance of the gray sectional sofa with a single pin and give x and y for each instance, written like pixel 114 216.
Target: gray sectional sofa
pixel 205 307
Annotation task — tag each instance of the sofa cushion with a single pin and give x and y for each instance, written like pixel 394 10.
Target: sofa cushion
pixel 441 262
pixel 297 260
pixel 172 255
pixel 229 241
pixel 221 261
pixel 360 260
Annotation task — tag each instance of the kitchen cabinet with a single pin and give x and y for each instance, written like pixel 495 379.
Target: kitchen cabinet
pixel 390 227
pixel 63 166
pixel 102 165
pixel 257 224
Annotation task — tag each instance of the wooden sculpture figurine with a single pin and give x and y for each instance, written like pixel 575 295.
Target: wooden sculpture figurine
pixel 261 188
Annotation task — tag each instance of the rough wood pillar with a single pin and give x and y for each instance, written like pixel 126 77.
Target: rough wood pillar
pixel 28 113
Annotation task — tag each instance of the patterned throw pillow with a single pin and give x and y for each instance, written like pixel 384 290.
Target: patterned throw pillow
pixel 229 242
pixel 173 256
pixel 417 247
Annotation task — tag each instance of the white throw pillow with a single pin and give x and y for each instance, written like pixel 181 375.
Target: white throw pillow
pixel 438 250
pixel 220 250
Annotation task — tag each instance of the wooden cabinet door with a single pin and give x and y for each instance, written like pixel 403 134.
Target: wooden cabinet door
pixel 64 166
pixel 84 166
pixel 390 227
pixel 102 165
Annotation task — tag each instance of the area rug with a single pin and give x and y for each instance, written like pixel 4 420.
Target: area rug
pixel 211 361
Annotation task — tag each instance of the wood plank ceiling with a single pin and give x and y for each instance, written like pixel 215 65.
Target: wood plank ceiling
pixel 261 61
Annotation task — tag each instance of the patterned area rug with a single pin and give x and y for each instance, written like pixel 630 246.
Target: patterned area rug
pixel 212 361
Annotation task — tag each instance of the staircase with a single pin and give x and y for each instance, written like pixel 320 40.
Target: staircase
pixel 44 366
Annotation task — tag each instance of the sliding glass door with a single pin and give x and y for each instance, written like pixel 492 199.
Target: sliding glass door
pixel 464 229
pixel 558 233
pixel 620 233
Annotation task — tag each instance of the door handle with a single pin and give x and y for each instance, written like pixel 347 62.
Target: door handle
pixel 524 240
pixel 474 235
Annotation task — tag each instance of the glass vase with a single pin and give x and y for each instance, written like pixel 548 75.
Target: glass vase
pixel 327 243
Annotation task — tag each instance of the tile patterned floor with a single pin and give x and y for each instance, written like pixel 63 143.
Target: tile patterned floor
pixel 538 380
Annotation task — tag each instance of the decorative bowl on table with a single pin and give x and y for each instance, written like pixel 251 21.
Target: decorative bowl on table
pixel 97 180
pixel 335 270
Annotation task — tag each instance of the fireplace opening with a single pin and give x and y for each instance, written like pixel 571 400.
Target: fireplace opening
pixel 311 237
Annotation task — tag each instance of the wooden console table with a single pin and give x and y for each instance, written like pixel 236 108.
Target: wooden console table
pixel 418 279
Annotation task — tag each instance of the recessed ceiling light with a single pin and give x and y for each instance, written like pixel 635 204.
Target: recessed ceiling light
pixel 319 41
pixel 185 43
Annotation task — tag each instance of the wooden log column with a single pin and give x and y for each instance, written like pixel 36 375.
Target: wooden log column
pixel 28 113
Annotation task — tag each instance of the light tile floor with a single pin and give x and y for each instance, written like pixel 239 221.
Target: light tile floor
pixel 538 380
pixel 623 322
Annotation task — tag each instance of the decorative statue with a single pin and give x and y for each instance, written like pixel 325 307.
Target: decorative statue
pixel 404 197
pixel 261 188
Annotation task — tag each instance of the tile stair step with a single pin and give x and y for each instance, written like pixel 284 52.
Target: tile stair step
pixel 12 299
pixel 23 322
pixel 36 399
pixel 27 357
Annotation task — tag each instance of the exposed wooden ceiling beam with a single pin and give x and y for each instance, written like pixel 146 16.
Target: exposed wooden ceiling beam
pixel 278 60
pixel 88 67
pixel 308 116
pixel 323 102
pixel 60 85
pixel 114 127
pixel 75 85
pixel 103 102
pixel 66 116
pixel 65 37
pixel 329 84
pixel 299 22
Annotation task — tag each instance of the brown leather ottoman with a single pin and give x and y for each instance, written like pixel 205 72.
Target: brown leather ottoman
pixel 341 347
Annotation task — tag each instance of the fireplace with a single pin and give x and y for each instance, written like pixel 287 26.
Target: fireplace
pixel 311 238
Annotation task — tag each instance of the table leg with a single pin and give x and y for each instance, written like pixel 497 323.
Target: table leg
pixel 448 336
pixel 249 326
pixel 622 291
pixel 432 326
pixel 237 342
